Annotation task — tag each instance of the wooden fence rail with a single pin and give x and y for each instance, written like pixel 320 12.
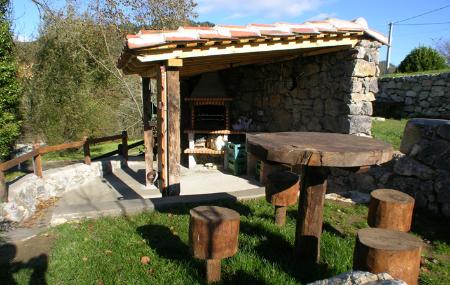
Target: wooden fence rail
pixel 38 151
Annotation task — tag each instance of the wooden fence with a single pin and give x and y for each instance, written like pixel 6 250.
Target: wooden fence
pixel 38 151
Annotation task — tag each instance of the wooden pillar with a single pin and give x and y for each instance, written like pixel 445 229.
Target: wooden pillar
pixel 87 151
pixel 310 214
pixel 37 162
pixel 173 130
pixel 162 129
pixel 124 148
pixel 3 187
pixel 148 133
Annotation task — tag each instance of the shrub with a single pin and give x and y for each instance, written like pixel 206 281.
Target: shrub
pixel 422 59
pixel 9 87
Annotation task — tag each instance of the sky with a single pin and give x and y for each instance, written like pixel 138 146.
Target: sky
pixel 378 14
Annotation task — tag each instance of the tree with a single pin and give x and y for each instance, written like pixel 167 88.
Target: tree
pixel 9 87
pixel 77 88
pixel 423 59
pixel 443 46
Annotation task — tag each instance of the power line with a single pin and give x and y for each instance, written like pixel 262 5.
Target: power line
pixel 424 24
pixel 425 13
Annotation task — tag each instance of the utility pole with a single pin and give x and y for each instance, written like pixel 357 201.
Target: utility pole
pixel 388 56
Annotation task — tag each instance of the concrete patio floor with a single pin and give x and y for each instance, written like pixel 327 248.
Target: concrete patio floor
pixel 123 192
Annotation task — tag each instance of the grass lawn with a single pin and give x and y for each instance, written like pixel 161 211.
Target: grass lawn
pixel 108 250
pixel 428 72
pixel 390 131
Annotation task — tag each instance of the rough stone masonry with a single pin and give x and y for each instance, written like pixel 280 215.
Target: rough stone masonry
pixel 422 169
pixel 329 92
pixel 414 96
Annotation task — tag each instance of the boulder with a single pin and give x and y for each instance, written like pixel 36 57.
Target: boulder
pixel 408 166
pixel 360 278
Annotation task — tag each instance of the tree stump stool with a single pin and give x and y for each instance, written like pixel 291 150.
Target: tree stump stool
pixel 213 235
pixel 390 209
pixel 383 250
pixel 282 190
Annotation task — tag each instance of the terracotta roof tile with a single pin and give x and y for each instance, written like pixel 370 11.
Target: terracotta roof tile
pixel 151 38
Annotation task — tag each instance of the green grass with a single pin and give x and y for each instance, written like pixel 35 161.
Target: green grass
pixel 108 250
pixel 10 176
pixel 390 131
pixel 429 72
pixel 96 150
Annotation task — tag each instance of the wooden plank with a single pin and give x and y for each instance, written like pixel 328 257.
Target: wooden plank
pixel 214 132
pixel 203 151
pixel 161 128
pixel 173 130
pixel 175 62
pixel 46 149
pixel 136 144
pixel 148 133
pixel 13 162
pixel 159 55
pixel 319 149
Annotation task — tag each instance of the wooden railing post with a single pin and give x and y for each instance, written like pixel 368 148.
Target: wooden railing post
pixel 87 151
pixel 125 147
pixel 37 161
pixel 3 187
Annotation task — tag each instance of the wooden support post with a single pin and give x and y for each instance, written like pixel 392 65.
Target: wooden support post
pixel 310 214
pixel 173 130
pixel 124 148
pixel 162 129
pixel 251 165
pixel 37 162
pixel 148 132
pixel 213 270
pixel 87 151
pixel 3 187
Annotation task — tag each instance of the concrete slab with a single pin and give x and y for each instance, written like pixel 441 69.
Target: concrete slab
pixel 94 209
pixel 123 192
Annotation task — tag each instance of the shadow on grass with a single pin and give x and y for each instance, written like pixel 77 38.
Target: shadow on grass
pixel 8 266
pixel 230 203
pixel 275 248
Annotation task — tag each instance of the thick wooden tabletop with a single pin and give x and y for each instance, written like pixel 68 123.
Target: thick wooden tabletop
pixel 318 149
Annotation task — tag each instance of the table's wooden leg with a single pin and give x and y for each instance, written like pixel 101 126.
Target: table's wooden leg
pixel 310 214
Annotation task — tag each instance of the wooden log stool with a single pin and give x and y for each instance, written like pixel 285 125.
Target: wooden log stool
pixel 282 190
pixel 383 250
pixel 213 235
pixel 390 209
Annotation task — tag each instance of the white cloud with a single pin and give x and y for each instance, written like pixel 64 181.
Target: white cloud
pixel 269 9
pixel 322 16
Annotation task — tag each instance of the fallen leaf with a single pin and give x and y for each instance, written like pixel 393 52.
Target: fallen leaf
pixel 100 282
pixel 145 260
pixel 151 271
pixel 175 233
pixel 108 252
pixel 85 258
pixel 170 215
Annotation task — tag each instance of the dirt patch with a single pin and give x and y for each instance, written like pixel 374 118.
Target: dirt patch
pixel 40 217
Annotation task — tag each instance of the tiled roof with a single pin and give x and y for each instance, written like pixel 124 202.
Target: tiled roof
pixel 153 38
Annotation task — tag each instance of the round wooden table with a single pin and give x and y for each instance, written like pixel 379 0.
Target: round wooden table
pixel 310 154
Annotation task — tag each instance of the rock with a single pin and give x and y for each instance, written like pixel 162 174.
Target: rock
pixel 408 166
pixel 444 131
pixel 363 68
pixel 432 152
pixel 360 278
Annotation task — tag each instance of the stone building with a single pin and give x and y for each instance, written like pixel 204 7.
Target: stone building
pixel 229 80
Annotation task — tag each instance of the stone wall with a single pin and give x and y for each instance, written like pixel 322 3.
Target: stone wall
pixel 329 92
pixel 421 169
pixel 414 96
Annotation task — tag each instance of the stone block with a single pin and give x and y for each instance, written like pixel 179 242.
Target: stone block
pixel 355 124
pixel 408 166
pixel 360 108
pixel 363 68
